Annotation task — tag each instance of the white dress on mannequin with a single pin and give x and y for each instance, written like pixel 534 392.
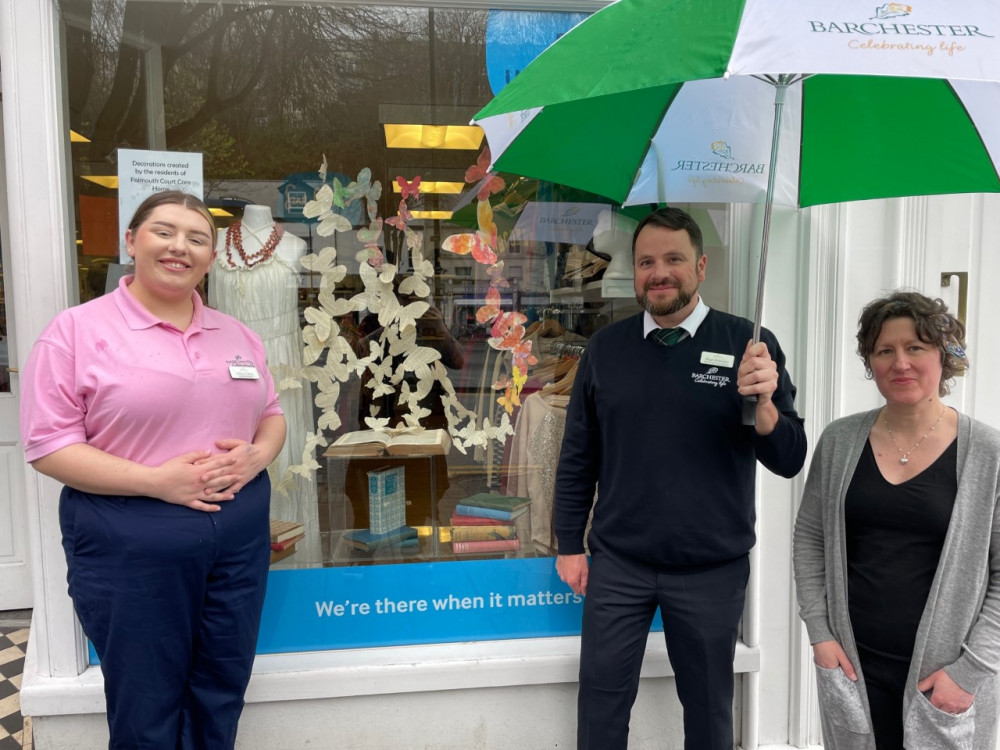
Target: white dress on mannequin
pixel 260 288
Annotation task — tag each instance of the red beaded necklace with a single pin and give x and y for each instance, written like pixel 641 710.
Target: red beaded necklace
pixel 234 238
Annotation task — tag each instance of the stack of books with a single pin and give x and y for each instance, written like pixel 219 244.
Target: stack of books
pixel 487 523
pixel 284 535
pixel 367 540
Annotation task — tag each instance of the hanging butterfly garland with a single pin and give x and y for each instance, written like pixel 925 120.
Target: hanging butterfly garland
pixel 395 353
pixel 507 332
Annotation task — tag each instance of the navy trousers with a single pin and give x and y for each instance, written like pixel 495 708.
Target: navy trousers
pixel 701 610
pixel 171 599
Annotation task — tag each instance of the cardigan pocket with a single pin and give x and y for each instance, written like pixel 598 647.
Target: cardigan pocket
pixel 840 699
pixel 929 728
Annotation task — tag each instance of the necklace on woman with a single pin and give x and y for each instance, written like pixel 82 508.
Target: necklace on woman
pixel 234 238
pixel 904 457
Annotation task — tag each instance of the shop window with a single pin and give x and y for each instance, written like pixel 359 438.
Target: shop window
pixel 422 293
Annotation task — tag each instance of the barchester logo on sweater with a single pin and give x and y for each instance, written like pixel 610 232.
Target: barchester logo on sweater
pixel 711 378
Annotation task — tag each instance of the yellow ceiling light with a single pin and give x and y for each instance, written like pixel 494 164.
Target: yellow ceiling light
pixel 436 215
pixel 432 186
pixel 219 212
pixel 75 137
pixel 468 137
pixel 109 181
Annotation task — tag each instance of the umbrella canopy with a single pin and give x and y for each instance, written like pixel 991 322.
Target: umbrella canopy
pixel 674 100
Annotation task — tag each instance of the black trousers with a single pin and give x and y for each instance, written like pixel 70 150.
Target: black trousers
pixel 701 610
pixel 885 683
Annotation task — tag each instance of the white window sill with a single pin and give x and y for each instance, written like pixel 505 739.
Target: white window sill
pixel 376 671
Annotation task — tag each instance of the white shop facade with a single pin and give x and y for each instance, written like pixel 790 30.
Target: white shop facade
pixel 263 93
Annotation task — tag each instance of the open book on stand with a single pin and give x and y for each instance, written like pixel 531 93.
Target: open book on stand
pixel 380 443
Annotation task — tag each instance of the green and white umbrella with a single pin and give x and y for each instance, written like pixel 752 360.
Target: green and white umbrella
pixel 653 101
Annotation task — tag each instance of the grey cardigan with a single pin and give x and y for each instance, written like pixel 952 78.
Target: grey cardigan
pixel 960 626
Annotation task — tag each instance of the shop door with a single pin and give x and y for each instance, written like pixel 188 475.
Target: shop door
pixel 15 581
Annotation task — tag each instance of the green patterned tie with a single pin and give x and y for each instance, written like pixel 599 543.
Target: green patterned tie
pixel 668 336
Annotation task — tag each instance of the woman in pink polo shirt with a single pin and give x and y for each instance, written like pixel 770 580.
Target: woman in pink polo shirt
pixel 160 417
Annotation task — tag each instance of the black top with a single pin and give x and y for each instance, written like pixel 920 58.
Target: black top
pixel 895 533
pixel 660 428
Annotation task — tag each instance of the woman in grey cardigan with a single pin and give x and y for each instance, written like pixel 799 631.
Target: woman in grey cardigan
pixel 897 548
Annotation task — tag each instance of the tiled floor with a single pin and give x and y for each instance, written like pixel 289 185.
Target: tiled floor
pixel 15 732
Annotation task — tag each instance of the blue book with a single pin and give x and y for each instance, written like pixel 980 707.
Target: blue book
pixel 366 540
pixel 500 515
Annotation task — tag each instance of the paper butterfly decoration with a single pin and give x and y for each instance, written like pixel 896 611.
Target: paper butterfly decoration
pixel 492 183
pixel 341 193
pixel 512 392
pixel 469 242
pixel 321 207
pixel 508 328
pixel 423 269
pixel 523 358
pixel 325 264
pixel 372 255
pixel 402 216
pixel 363 187
pixel 495 272
pixel 409 189
pixel 370 235
pixel 481 244
pixel 491 309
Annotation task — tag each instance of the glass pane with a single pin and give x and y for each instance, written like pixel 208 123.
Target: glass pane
pixel 401 287
pixel 106 59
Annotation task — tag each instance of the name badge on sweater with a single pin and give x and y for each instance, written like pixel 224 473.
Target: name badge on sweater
pixel 719 360
pixel 242 369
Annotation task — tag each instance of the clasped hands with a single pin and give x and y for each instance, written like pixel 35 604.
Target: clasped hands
pixel 201 479
pixel 945 694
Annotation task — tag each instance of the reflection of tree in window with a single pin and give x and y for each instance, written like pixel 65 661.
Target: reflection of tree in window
pixel 257 88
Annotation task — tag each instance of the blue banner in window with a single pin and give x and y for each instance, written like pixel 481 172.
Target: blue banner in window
pixel 323 609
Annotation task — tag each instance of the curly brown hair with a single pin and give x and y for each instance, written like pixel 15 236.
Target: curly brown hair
pixel 934 324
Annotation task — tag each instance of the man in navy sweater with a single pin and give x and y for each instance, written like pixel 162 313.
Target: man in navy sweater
pixel 655 425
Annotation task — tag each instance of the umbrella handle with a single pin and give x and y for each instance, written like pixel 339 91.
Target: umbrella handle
pixel 780 88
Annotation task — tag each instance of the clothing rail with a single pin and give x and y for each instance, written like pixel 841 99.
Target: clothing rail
pixel 564 349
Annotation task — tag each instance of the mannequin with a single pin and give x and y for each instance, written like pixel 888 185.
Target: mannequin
pixel 255 279
pixel 613 237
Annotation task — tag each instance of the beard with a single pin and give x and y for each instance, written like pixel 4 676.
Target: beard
pixel 667 308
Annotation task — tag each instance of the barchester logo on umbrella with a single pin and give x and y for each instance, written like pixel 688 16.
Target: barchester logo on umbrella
pixel 891 10
pixel 721 148
pixel 723 151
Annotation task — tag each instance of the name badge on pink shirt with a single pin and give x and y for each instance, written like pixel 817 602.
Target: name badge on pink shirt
pixel 242 369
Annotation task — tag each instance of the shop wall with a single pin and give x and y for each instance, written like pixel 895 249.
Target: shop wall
pixel 825 263
pixel 541 716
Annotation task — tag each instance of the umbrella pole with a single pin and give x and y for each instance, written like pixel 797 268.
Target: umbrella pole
pixel 780 88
